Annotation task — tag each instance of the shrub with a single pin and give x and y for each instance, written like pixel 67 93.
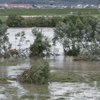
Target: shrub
pixel 15 21
pixel 38 73
pixel 4 41
pixel 41 21
pixel 73 52
pixel 55 21
pixel 41 45
pixel 0 22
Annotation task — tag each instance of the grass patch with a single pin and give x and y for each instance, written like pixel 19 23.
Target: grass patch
pixel 3 79
pixel 94 77
pixel 65 77
pixel 30 97
pixel 43 98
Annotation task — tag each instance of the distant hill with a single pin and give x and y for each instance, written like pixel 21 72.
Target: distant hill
pixel 52 1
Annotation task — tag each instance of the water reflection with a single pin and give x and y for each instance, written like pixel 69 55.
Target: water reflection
pixel 66 91
pixel 67 63
pixel 37 89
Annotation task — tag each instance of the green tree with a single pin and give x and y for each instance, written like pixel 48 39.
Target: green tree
pixel 60 35
pixel 74 34
pixel 72 18
pixel 21 37
pixel 55 20
pixel 21 41
pixel 15 21
pixel 4 41
pixel 66 35
pixel 41 45
pixel 0 22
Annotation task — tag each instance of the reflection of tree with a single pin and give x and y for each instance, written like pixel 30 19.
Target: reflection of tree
pixel 39 90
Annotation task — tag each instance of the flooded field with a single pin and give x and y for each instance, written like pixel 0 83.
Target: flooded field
pixel 53 90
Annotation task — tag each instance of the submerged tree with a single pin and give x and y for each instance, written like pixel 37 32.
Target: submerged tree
pixel 20 42
pixel 41 45
pixel 38 73
pixel 66 35
pixel 0 21
pixel 4 41
pixel 79 38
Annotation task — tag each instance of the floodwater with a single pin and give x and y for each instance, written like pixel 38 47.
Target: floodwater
pixel 53 90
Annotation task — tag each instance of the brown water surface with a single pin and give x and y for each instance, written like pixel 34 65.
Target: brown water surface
pixel 52 90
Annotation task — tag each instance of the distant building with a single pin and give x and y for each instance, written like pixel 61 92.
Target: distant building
pixel 6 5
pixel 79 6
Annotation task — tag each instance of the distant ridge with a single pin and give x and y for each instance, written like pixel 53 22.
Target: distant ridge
pixel 52 1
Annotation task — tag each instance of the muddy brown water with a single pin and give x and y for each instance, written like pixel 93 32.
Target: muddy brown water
pixel 54 90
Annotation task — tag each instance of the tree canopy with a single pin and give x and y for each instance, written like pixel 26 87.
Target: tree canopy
pixel 41 45
pixel 79 36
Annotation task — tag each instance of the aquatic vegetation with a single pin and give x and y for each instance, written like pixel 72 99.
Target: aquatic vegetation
pixel 3 79
pixel 38 73
pixel 30 97
pixel 94 77
pixel 79 36
pixel 65 77
pixel 4 41
pixel 41 45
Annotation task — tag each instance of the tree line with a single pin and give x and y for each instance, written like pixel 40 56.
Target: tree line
pixel 18 21
pixel 79 35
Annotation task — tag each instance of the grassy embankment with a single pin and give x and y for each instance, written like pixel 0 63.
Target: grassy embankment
pixel 49 12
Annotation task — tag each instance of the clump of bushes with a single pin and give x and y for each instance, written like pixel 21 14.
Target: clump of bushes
pixel 0 21
pixel 41 45
pixel 18 21
pixel 73 52
pixel 79 34
pixel 15 21
pixel 38 73
pixel 42 21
